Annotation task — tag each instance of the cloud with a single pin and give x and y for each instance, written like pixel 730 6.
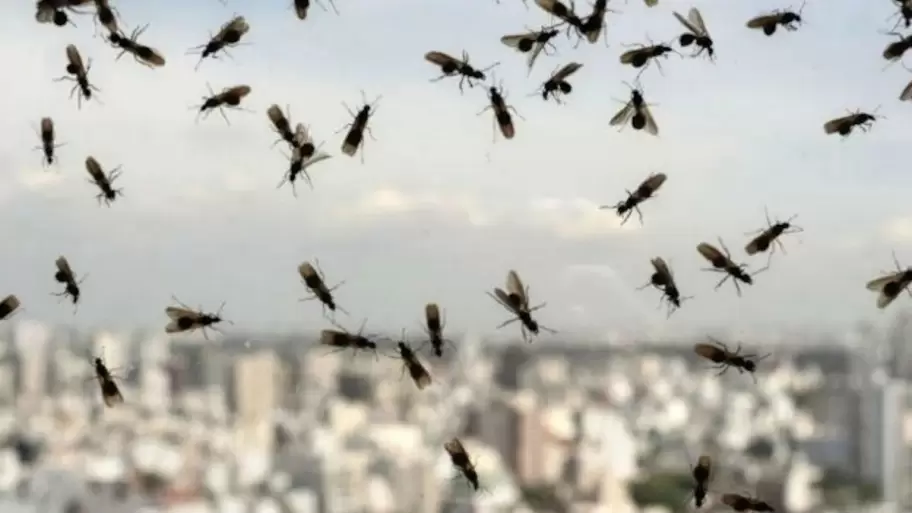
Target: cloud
pixel 898 230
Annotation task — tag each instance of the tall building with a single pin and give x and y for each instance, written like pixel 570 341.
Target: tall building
pixel 32 341
pixel 886 450
pixel 256 393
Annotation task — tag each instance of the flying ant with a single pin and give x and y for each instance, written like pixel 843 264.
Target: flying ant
pixel 185 319
pixel 502 117
pixel 229 34
pixel 722 263
pixel 697 34
pixel 742 503
pixel 301 7
pixel 718 353
pixel 557 85
pixel 314 280
pixel 651 3
pixel 643 192
pixel 298 164
pixel 282 125
pixel 702 474
pixel 450 66
pixel 844 125
pixel 143 54
pixel 48 136
pixel 904 13
pixel 66 276
pixel 560 11
pixel 906 93
pixel 895 50
pixel 105 14
pixel 768 22
pixel 110 392
pixel 641 55
pixel 460 459
pixel 636 110
pixel 768 237
pixel 229 97
pixel 891 285
pixel 433 326
pixel 354 138
pixel 663 280
pixel 108 193
pixel 594 24
pixel 516 301
pixel 340 340
pixel 416 369
pixel 9 305
pixel 54 11
pixel 80 75
pixel 531 43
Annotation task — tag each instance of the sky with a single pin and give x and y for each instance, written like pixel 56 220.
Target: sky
pixel 439 211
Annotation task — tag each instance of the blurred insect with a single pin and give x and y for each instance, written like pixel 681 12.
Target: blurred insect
pixel 906 93
pixel 696 34
pixel 66 276
pixel 663 280
pixel 110 392
pixel 340 340
pixel 450 66
pixel 354 138
pixel 54 11
pixel 8 306
pixel 502 117
pixel 636 110
pixel 641 55
pixel 229 97
pixel 702 475
pixel 745 503
pixel 894 51
pixel 433 326
pixel 531 43
pixel 106 16
pixel 282 125
pixel 643 192
pixel 298 164
pixel 108 194
pixel 718 353
pixel 560 11
pixel 768 22
pixel 185 319
pixel 413 365
pixel 904 13
pixel 844 125
pixel 143 54
pixel 314 280
pixel 79 73
pixel 651 3
pixel 229 34
pixel 557 85
pixel 722 263
pixel 516 301
pixel 891 285
pixel 303 142
pixel 48 145
pixel 593 25
pixel 302 7
pixel 460 459
pixel 769 237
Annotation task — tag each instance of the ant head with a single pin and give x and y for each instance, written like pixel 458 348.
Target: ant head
pixel 60 17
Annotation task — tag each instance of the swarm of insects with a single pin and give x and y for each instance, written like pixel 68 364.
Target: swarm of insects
pixel 79 73
pixel 302 7
pixel 719 354
pixel 769 237
pixel 844 125
pixel 354 138
pixel 696 34
pixel 8 306
pixel 636 110
pixel 516 301
pixel 229 97
pixel 450 66
pixel 742 503
pixel 416 370
pixel 643 192
pixel 185 319
pixel 663 280
pixel 502 117
pixel 110 392
pixel 788 20
pixel 313 279
pixel 66 276
pixel 891 285
pixel 229 34
pixel 98 177
pixel 340 340
pixel 48 144
pixel 722 263
pixel 460 459
pixel 557 85
pixel 145 55
pixel 531 43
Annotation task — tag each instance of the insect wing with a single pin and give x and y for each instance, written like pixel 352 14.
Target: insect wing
pixel 418 373
pixel 507 301
pixel 178 313
pixel 688 24
pixel 710 252
pixel 94 169
pixel 630 55
pixel 566 71
pixel 536 51
pixel 238 92
pixel 623 115
pixel 514 40
pixel 149 55
pixel 709 351
pixel 276 116
pixel 302 136
pixel 653 183
pixel 696 21
pixel 75 59
pixel 834 125
pixel 455 449
pixel 516 288
pixel 9 305
pixel 732 499
pixel 64 267
pixel 110 393
pixel 762 21
pixel 301 8
pixel 548 6
pixel 432 316
pixel 45 13
pixel 335 338
pixel 650 124
pixel 237 24
pixel 879 283
pixel 441 59
pixel 47 128
pixel 906 93
pixel 662 268
pixel 651 3
pixel 307 271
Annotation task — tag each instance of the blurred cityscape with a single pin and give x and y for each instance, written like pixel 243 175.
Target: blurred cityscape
pixel 276 424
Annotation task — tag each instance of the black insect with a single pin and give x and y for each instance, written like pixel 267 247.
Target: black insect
pixel 531 43
pixel 8 306
pixel 557 84
pixel 66 276
pixel 640 56
pixel 702 475
pixel 662 279
pixel 789 20
pixel 895 50
pixel 185 319
pixel 48 138
pixel 417 371
pixel 643 192
pixel 560 11
pixel 313 279
pixel 743 503
pixel 636 110
pixel 104 182
pixel 593 25
pixel 301 159
pixel 891 285
pixel 516 300
pixel 450 66
pixel 844 125
pixel 460 459
pixel 79 73
pixel 769 237
pixel 502 117
pixel 904 13
pixel 229 34
pixel 722 263
pixel 696 34
pixel 143 54
pixel 229 97
pixel 433 326
pixel 718 353
pixel 110 392
pixel 354 138
pixel 106 16
pixel 54 11
pixel 340 340
pixel 302 7
pixel 282 125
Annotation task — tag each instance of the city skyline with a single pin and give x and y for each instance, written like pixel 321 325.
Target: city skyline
pixel 438 212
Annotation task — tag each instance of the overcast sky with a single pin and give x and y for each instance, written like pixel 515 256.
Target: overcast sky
pixel 438 211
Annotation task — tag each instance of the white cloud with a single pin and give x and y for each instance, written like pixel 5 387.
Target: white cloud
pixel 898 230
pixel 576 218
